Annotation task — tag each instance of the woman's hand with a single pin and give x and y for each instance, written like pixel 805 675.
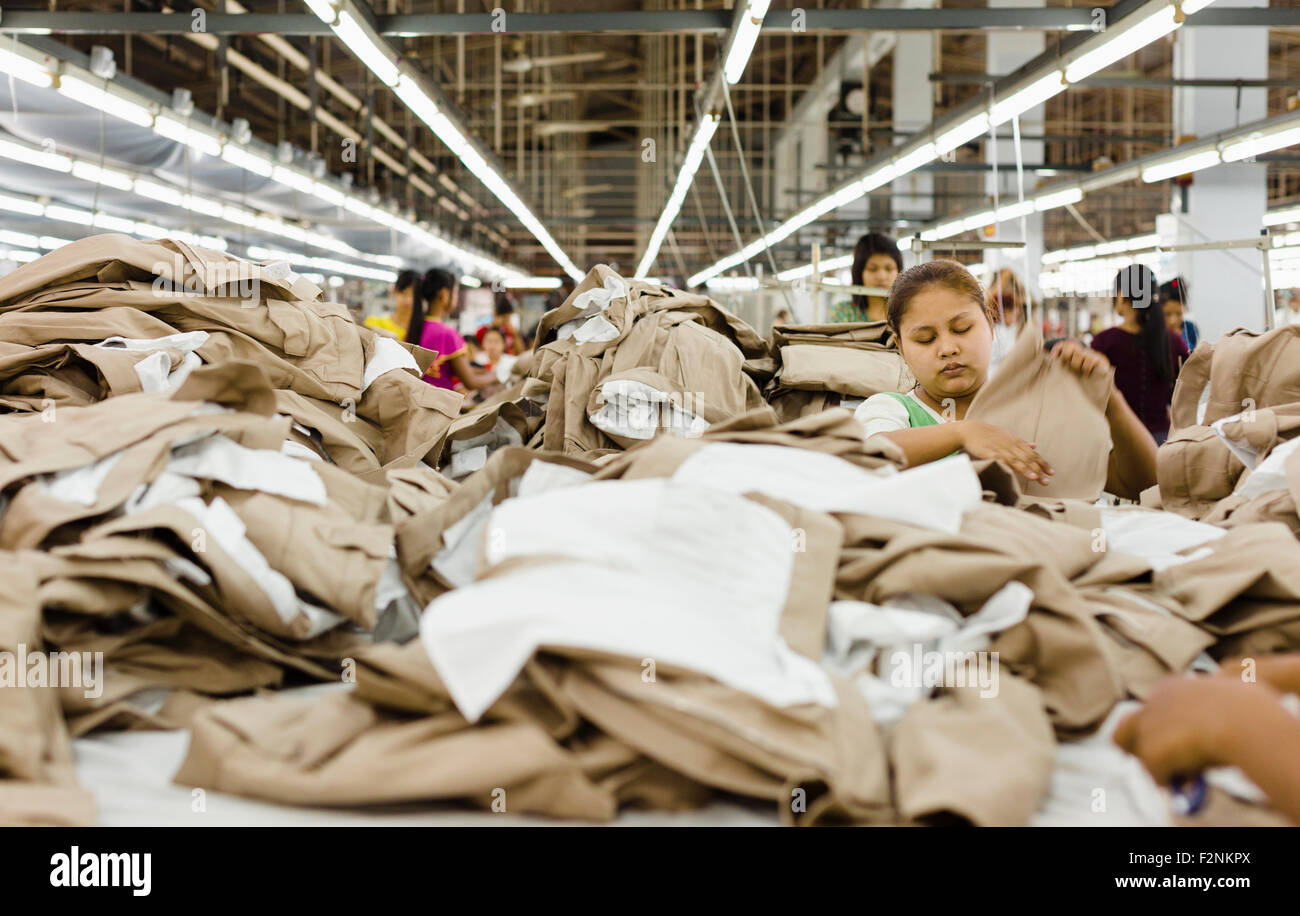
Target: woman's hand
pixel 1079 359
pixel 984 440
pixel 1188 724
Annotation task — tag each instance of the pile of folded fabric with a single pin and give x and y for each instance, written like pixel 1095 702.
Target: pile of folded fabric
pixel 833 365
pixel 622 360
pixel 225 493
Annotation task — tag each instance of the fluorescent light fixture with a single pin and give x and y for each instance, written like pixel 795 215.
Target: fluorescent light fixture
pixel 1118 42
pixel 914 160
pixel 19 205
pixel 324 9
pixel 1036 93
pixel 249 161
pixel 471 282
pixel 531 283
pixel 1195 6
pixel 299 181
pixel 114 223
pixel 24 69
pixel 55 162
pixel 86 93
pixel 204 205
pixel 111 177
pixel 945 230
pixel 1258 143
pixel 979 220
pixel 1271 218
pixel 880 177
pixel 409 91
pixel 733 284
pixel 21 239
pixel 164 194
pixel 1014 211
pixel 177 130
pixel 806 270
pixel 351 32
pixel 690 165
pixel 742 46
pixel 961 134
pixel 1180 166
pixel 1057 199
pixel 68 214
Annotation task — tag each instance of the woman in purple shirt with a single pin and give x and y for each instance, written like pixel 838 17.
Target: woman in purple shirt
pixel 1145 356
pixel 432 301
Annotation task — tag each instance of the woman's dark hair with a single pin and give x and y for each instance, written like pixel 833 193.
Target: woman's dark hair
pixel 1137 284
pixel 1174 289
pixel 433 282
pixel 869 244
pixel 948 274
pixel 492 329
pixel 503 304
pixel 406 279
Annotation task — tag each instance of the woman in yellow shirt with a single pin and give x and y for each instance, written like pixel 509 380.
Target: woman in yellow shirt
pixel 403 296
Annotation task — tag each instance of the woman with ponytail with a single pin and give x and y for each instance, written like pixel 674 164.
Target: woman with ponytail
pixel 1145 356
pixel 434 295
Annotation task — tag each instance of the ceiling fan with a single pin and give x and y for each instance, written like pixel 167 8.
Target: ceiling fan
pixel 520 62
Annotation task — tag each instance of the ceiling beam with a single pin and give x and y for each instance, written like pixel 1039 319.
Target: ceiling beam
pixel 662 22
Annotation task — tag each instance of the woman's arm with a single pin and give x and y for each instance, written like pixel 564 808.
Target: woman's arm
pixel 471 376
pixel 923 444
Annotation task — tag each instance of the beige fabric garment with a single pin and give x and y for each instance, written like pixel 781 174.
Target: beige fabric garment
pixel 845 371
pixel 37 780
pixel 1243 370
pixel 1064 413
pixel 983 760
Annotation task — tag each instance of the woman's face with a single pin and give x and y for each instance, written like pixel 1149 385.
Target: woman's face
pixel 1174 315
pixel 493 346
pixel 879 271
pixel 947 342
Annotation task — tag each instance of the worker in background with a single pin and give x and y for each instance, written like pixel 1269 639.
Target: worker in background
pixel 1189 724
pixel 876 262
pixel 492 353
pixel 1173 300
pixel 432 300
pixel 503 312
pixel 944 327
pixel 395 325
pixel 1288 311
pixel 1008 303
pixel 782 316
pixel 1145 355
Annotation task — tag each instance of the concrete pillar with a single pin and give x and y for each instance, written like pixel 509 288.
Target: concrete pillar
pixel 1007 51
pixel 913 111
pixel 1226 201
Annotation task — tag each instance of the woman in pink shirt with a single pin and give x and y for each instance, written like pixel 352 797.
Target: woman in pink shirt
pixel 432 301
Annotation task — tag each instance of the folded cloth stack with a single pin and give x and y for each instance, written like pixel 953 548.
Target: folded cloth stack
pixel 1230 458
pixel 768 610
pixel 623 359
pixel 111 315
pixel 832 365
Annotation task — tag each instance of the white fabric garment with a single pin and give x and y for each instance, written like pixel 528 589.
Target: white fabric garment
pixel 220 522
pixel 1246 453
pixel 682 575
pixel 470 455
pixel 219 458
pixel 503 367
pixel 79 485
pixel 388 355
pixel 456 561
pixel 933 495
pixel 636 410
pixel 167 488
pixel 860 634
pixel 1270 473
pixel 479 636
pixel 155 372
pixel 884 413
pixel 1157 537
pixel 542 476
